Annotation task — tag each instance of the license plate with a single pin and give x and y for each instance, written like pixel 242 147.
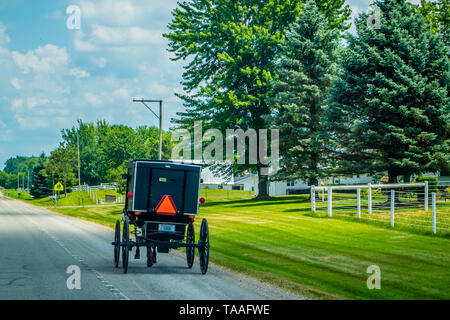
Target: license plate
pixel 166 227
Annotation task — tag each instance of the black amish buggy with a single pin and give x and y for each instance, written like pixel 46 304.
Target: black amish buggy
pixel 162 202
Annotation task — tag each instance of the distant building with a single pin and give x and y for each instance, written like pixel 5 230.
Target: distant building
pixel 215 181
pixel 249 182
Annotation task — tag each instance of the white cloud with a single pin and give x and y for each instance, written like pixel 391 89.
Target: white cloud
pixel 49 58
pixel 122 93
pixel 159 89
pixel 4 39
pixel 32 122
pixel 125 35
pixel 4 43
pixel 15 83
pixel 5 132
pixel 33 102
pixel 17 104
pixel 78 73
pixel 123 12
pixel 120 25
pixel 93 99
pixel 81 44
pixel 100 62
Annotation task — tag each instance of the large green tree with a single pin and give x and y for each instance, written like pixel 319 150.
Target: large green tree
pixel 63 162
pixel 437 13
pixel 8 181
pixel 390 107
pixel 105 148
pixel 231 46
pixel 306 68
pixel 148 147
pixel 92 168
pixel 21 164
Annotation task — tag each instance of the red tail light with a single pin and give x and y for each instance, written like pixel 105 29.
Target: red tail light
pixel 202 200
pixel 129 195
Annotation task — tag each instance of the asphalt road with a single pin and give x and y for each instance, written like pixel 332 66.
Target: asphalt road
pixel 37 246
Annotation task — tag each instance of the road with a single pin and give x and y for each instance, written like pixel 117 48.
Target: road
pixel 37 246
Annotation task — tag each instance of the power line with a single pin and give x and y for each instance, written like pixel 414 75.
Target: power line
pixel 143 101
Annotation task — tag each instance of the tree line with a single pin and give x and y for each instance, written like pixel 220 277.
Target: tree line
pixel 370 103
pixel 104 151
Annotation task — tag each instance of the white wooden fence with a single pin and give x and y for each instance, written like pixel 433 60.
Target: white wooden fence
pixel 102 186
pixel 93 195
pixel 400 203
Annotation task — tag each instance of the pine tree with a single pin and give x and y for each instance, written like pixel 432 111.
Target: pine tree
pixel 306 69
pixel 390 107
pixel 39 187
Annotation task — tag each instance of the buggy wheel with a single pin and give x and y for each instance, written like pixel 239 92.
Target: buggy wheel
pixel 125 245
pixel 117 244
pixel 203 247
pixel 190 251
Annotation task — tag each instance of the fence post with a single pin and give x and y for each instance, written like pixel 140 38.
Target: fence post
pixel 358 201
pixel 369 194
pixel 433 206
pixel 330 201
pixel 426 196
pixel 313 199
pixel 392 207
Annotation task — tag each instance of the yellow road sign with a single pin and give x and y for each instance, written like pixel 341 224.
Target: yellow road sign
pixel 59 187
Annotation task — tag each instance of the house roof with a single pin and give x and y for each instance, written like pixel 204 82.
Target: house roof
pixel 246 176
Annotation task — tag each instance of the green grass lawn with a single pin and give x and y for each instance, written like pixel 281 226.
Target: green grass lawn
pixel 80 198
pixel 23 195
pixel 280 242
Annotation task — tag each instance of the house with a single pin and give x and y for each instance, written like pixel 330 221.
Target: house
pixel 210 180
pixel 249 182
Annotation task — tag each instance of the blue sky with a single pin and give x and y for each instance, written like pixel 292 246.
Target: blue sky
pixel 50 75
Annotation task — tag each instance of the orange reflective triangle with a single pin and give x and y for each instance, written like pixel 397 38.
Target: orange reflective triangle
pixel 166 206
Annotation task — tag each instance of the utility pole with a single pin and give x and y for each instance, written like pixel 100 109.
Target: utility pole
pixel 79 165
pixel 18 180
pixel 28 180
pixel 159 117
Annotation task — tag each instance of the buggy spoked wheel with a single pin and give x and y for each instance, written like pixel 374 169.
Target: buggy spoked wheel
pixel 117 244
pixel 190 251
pixel 203 247
pixel 125 245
